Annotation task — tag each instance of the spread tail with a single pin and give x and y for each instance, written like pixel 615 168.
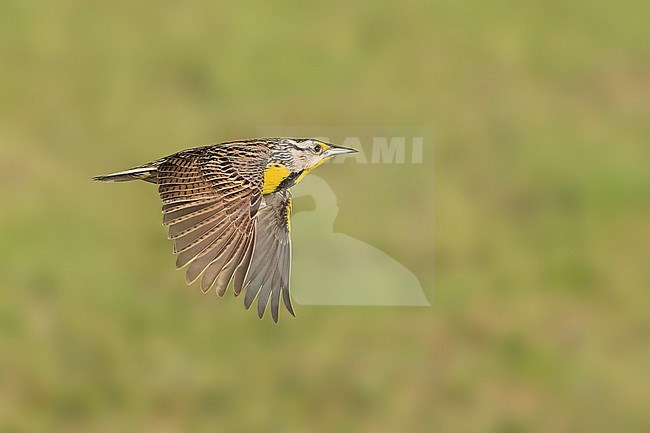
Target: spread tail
pixel 148 173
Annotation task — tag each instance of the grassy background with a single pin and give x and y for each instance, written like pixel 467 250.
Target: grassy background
pixel 540 318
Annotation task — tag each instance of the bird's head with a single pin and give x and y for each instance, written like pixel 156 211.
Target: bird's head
pixel 293 158
pixel 305 154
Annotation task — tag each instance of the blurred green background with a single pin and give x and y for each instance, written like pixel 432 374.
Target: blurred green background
pixel 538 184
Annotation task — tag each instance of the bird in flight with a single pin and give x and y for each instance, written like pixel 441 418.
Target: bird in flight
pixel 227 207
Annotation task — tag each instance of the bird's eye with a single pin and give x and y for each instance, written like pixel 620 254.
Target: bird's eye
pixel 317 148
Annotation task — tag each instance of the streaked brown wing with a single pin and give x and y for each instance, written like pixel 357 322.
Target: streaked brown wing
pixel 210 198
pixel 268 275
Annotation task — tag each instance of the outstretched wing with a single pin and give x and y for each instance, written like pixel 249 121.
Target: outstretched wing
pixel 211 196
pixel 268 275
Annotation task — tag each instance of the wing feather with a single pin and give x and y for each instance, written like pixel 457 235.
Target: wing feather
pixel 217 261
pixel 227 272
pixel 286 297
pixel 193 221
pixel 261 263
pixel 242 268
pixel 195 243
pixel 268 274
pixel 210 197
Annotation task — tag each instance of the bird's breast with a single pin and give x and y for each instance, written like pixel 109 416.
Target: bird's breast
pixel 276 177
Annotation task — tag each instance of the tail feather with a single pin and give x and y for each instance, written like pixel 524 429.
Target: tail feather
pixel 148 173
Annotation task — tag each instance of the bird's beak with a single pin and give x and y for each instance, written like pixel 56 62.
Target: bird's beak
pixel 338 150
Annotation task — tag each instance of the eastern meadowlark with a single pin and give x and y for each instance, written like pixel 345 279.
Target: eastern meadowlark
pixel 228 210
